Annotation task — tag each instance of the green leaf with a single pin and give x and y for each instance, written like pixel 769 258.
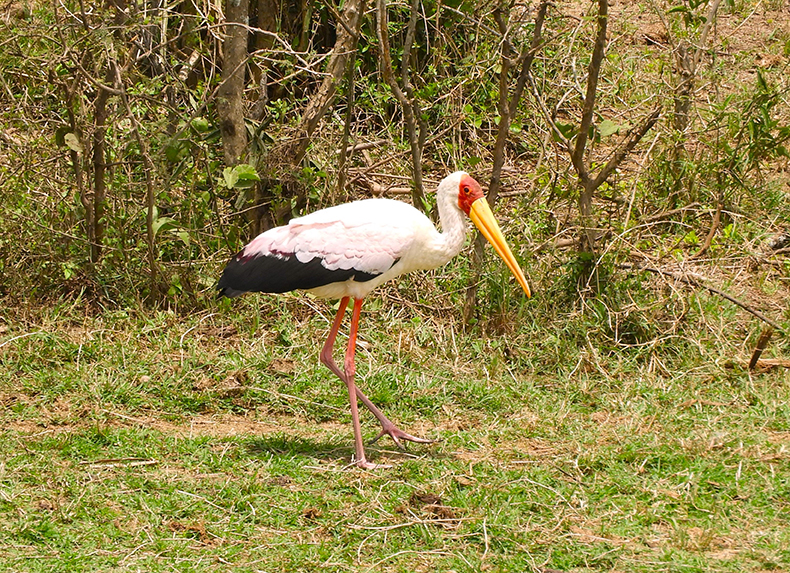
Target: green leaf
pixel 73 142
pixel 691 238
pixel 200 124
pixel 607 127
pixel 568 130
pixel 247 175
pixel 231 177
pixel 163 224
pixel 242 176
pixel 60 135
pixel 240 200
pixel 175 151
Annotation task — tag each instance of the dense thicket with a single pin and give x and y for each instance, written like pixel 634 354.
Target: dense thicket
pixel 143 142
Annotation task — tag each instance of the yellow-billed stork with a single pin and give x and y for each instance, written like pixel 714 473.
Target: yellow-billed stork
pixel 348 250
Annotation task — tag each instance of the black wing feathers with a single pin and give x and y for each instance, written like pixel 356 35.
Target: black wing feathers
pixel 277 274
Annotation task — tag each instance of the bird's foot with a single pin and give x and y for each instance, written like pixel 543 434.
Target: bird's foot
pixel 366 465
pixel 397 435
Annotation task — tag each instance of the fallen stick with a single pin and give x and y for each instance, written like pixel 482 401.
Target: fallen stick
pixel 760 365
pixel 119 462
pixel 695 282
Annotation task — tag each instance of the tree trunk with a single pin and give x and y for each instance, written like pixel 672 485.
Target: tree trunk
pixel 230 95
pixel 266 20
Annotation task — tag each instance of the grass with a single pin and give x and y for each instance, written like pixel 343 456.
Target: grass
pixel 138 441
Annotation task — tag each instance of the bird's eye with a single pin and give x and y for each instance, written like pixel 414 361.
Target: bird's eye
pixel 466 189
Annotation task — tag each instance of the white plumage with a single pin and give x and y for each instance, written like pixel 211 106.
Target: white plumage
pixel 380 237
pixel 370 236
pixel 348 250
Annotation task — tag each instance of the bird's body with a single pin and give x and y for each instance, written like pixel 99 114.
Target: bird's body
pixel 348 250
pixel 358 246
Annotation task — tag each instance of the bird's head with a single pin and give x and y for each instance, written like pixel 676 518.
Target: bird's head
pixel 472 201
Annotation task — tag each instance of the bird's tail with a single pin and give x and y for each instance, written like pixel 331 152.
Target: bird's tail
pixel 228 292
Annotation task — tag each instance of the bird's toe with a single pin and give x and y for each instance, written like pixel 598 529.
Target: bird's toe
pixel 397 435
pixel 366 465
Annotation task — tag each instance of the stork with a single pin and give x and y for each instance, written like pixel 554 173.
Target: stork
pixel 348 250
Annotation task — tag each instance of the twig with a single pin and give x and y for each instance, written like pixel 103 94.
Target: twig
pixel 389 158
pixel 695 282
pixel 485 541
pixel 367 145
pixel 201 498
pixel 714 226
pixel 768 363
pixel 665 214
pixel 10 340
pixel 119 462
pixel 404 302
pixel 453 521
pixel 181 340
pixel 297 398
pixel 634 137
pixel 377 565
pixel 125 417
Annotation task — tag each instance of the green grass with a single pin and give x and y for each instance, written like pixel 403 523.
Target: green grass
pixel 151 441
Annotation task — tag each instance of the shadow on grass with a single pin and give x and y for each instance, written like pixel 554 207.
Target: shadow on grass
pixel 283 444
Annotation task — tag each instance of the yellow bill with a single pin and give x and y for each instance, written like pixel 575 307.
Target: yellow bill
pixel 483 218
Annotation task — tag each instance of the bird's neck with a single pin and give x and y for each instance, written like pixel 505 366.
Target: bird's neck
pixel 454 227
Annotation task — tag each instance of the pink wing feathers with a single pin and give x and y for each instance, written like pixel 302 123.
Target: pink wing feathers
pixel 368 236
pixel 359 241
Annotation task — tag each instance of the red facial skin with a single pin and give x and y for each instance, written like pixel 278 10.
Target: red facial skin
pixel 469 191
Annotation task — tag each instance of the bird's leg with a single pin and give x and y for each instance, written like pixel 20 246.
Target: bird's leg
pixel 350 369
pixel 348 376
pixel 326 352
pixel 387 427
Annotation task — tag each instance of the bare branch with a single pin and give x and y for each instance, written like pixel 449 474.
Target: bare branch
pixel 634 137
pixel 407 102
pixel 703 38
pixel 346 42
pixel 592 86
pixel 508 104
pixel 149 181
